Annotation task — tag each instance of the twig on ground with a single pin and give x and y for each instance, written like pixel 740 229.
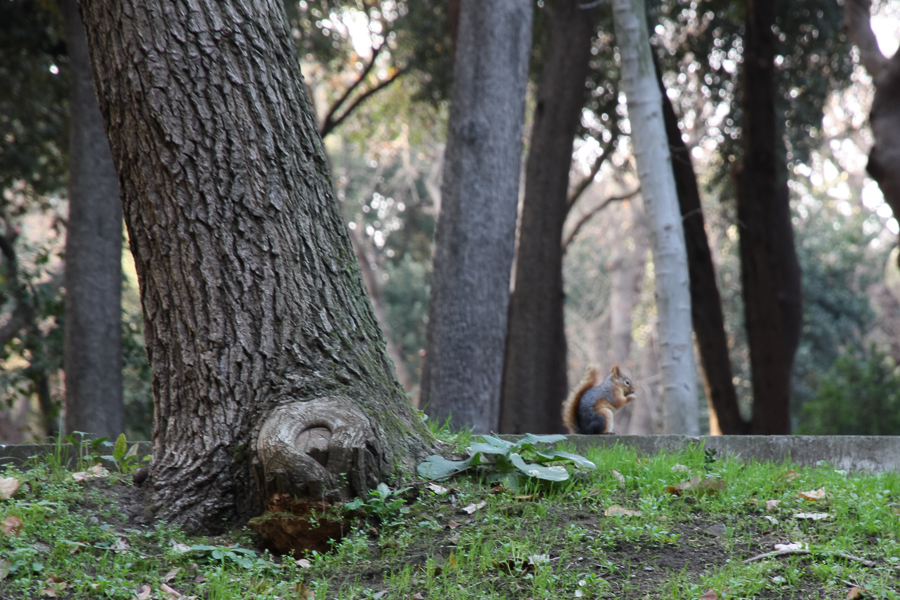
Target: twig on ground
pixel 868 563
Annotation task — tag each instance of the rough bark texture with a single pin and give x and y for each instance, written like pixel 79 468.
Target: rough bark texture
pixel 251 292
pixel 93 323
pixel 706 304
pixel 769 267
pixel 475 236
pixel 884 118
pixel 654 163
pixel 534 374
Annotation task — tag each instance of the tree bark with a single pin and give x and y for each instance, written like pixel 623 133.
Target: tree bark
pixel 93 323
pixel 256 317
pixel 534 374
pixel 706 304
pixel 654 163
pixel 475 236
pixel 884 117
pixel 769 267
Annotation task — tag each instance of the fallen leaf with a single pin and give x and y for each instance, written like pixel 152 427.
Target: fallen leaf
pixel 680 468
pixel 771 519
pixel 303 563
pixel 451 560
pixel 772 504
pixel 304 593
pixel 452 524
pixel 144 594
pixel 5 566
pixel 791 475
pixel 95 472
pixel 526 497
pixel 618 511
pixel 708 485
pixel 12 526
pixel 171 574
pixel 753 501
pixel 169 592
pixel 812 516
pixel 437 489
pixel 120 546
pixel 179 547
pixel 709 595
pixel 417 596
pixel 619 477
pixel 813 495
pixel 537 559
pixel 8 487
pixel 498 489
pixel 856 592
pixel 791 547
pixel 473 507
pixel 717 530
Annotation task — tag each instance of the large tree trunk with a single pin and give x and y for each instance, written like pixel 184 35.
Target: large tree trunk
pixel 884 118
pixel 269 370
pixel 93 323
pixel 769 267
pixel 654 163
pixel 706 304
pixel 534 374
pixel 475 236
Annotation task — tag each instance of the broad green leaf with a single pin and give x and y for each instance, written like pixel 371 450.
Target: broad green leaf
pixel 132 451
pixel 437 466
pixel 487 448
pixel 539 471
pixel 120 448
pixel 575 458
pixel 497 442
pixel 543 439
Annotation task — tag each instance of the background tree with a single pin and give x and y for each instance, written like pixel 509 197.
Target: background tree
pixel 257 324
pixel 654 164
pixel 475 236
pixel 93 332
pixel 534 372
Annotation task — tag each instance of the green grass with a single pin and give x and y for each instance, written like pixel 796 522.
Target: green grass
pixel 541 541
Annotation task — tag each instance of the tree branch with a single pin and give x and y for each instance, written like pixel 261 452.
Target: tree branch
pixel 590 214
pixel 859 26
pixel 778 553
pixel 327 127
pixel 595 168
pixel 327 124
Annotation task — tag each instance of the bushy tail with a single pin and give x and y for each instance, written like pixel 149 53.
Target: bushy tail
pixel 570 406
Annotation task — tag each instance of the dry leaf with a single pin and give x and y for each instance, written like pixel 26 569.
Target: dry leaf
pixel 303 563
pixel 169 592
pixel 812 516
pixel 179 547
pixel 791 475
pixel 618 511
pixel 8 487
pixel 473 507
pixel 813 495
pixel 619 477
pixel 452 524
pixel 144 594
pixel 5 566
pixel 680 468
pixel 856 592
pixel 417 596
pixel 708 485
pixel 772 504
pixel 12 526
pixel 304 593
pixel 171 574
pixel 437 489
pixel 709 595
pixel 791 547
pixel 95 472
pixel 121 545
pixel 771 519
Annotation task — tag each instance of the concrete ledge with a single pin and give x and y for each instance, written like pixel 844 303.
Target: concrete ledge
pixel 850 452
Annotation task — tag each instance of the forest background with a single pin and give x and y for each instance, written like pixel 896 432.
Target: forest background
pixel 379 75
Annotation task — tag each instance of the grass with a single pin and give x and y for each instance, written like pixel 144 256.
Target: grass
pixel 540 541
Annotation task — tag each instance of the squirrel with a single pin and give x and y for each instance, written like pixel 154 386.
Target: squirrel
pixel 590 406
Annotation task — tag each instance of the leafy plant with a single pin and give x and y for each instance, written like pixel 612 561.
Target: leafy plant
pixel 243 557
pixel 510 459
pixel 126 459
pixel 383 503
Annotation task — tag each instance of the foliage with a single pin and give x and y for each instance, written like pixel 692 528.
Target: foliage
pixel 385 504
pixel 858 395
pixel 509 459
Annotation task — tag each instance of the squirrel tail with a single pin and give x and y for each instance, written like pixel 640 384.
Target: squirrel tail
pixel 570 406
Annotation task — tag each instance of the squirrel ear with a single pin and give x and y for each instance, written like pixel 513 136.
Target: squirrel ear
pixel 615 371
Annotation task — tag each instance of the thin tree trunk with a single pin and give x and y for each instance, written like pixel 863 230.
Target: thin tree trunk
pixel 269 370
pixel 769 267
pixel 884 117
pixel 654 162
pixel 93 323
pixel 534 375
pixel 706 304
pixel 475 236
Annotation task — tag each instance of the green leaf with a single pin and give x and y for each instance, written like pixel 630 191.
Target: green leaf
pixel 539 471
pixel 120 448
pixel 437 466
pixel 575 458
pixel 497 442
pixel 487 448
pixel 543 439
pixel 132 451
